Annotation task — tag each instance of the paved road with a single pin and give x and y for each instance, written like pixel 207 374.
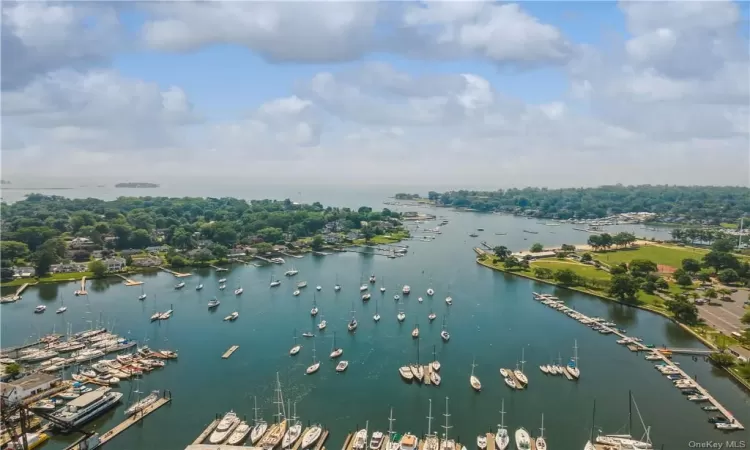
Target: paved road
pixel 725 316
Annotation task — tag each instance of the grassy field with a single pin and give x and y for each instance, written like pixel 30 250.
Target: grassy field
pixel 583 270
pixel 666 255
pixel 385 238
pixel 731 226
pixel 51 278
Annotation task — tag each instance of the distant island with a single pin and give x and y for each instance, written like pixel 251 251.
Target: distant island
pixel 404 196
pixel 136 185
pixel 4 182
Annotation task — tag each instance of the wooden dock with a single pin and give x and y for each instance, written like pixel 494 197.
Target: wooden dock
pixel 491 440
pixel 512 376
pixel 17 295
pixel 177 274
pixel 209 429
pixel 130 421
pixel 427 371
pixel 292 256
pixel 83 290
pixel 321 440
pixel 665 359
pixel 229 352
pixel 349 438
pixel 218 269
pixel 129 282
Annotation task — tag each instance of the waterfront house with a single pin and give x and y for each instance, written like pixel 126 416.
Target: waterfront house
pixel 114 264
pixel 24 272
pixel 331 238
pixel 68 268
pixel 157 249
pixel 32 384
pixel 147 261
pixel 81 243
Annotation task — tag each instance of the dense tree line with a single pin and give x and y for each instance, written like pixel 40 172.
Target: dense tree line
pixel 697 235
pixel 712 204
pixel 35 228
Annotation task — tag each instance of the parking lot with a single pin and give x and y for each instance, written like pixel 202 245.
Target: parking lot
pixel 725 315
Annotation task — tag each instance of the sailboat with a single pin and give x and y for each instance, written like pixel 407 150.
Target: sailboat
pixel 473 379
pixel 292 272
pixel 362 287
pixel 277 431
pixel 444 333
pixel 335 352
pixel 590 443
pixel 360 439
pixel 430 291
pixel 322 324
pixel 416 369
pixel 449 299
pixel 447 444
pixel 519 373
pixel 572 366
pixel 275 283
pixel 314 310
pixel 541 443
pixel 199 287
pixel 143 294
pixel 406 373
pixel 435 363
pixel 415 331
pixel 401 314
pixel 393 443
pixel 312 434
pixel 382 285
pixel 62 307
pixel 315 365
pixel 502 440
pixel 432 316
pixel 296 347
pixel 259 425
pixel 337 287
pixel 431 441
pixel 239 290
pixel 293 432
pixel 352 325
pixel 523 440
pixel 376 317
pixel 627 440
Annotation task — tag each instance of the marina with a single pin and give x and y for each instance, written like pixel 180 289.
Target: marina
pixel 132 420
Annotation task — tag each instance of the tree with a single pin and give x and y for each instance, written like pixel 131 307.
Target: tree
pixel 745 318
pixel 202 255
pixel 648 287
pixel 720 260
pixel 543 273
pixel 502 252
pixel 537 247
pixel 12 250
pixel 595 241
pixel 661 284
pixel 43 260
pixel 179 261
pixel 140 239
pixel 728 276
pixel 13 369
pixel 511 263
pixel 566 277
pixel 682 277
pixel 642 267
pixel 219 251
pixel 263 247
pixel 711 294
pixel 368 233
pixel 34 236
pixel 98 268
pixel 317 242
pixel 568 248
pixel 623 239
pixel 623 287
pixel 691 265
pixel 271 235
pixel 704 276
pixel 683 310
pixel 723 245
pixel 586 257
pixel 722 359
pixel 618 269
pixel 605 240
pixel 224 234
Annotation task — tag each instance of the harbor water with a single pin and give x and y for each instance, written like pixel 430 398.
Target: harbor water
pixel 493 317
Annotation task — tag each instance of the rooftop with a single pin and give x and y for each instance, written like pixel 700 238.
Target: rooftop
pixel 88 398
pixel 33 381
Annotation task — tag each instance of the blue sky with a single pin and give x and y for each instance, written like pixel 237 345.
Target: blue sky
pixel 532 88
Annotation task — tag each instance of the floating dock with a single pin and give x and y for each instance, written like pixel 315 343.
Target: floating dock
pixel 130 421
pixel 209 429
pixel 218 269
pixel 177 274
pixel 83 290
pixel 427 371
pixel 129 282
pixel 229 352
pixel 512 376
pixel 349 438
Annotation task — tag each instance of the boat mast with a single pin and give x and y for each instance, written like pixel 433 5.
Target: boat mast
pixel 446 427
pixel 472 366
pixel 279 399
pixel 593 415
pixel 502 415
pixel 522 358
pixel 630 413
pixel 646 429
pixel 417 351
pixel 255 408
pixel 429 421
pixel 541 430
pixel 433 356
pixel 334 341
pixel 390 425
pixel 575 352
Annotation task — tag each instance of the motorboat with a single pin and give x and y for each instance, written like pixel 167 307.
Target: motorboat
pixel 142 404
pixel 86 408
pixel 409 442
pixel 376 440
pixel 232 317
pixel 277 260
pixel 292 272
pixel 40 309
pixel 226 426
pixel 432 316
pixel 199 287
pixel 239 434
pixel 307 334
pixel 222 287
pixel 415 332
pixel 302 284
pixel 61 310
pixel 222 280
pixel 382 289
pixel 372 278
pixel 238 291
pixel 318 288
pixel 406 290
pixel 213 303
pixel 275 283
pixel 405 372
pixel 341 366
pixel 337 288
pixel 727 426
pixel 312 434
pixel 179 285
pixel 449 300
pixel 698 398
pixel 430 292
pixel 363 288
pixel 482 441
pixel 45 405
pixel 366 297
pixel 523 440
pixel 359 441
pixel 296 292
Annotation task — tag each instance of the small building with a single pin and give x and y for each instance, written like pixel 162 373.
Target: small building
pixel 32 384
pixel 114 264
pixel 130 252
pixel 68 268
pixel 534 255
pixel 24 272
pixel 331 238
pixel 147 261
pixel 157 249
pixel 80 243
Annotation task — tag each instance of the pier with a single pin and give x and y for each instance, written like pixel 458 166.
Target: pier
pixel 177 274
pixel 689 351
pixel 17 295
pixel 349 438
pixel 129 282
pixel 135 418
pixel 292 256
pixel 209 429
pixel 83 287
pixel 263 259
pixel 218 269
pixel 230 351
pixel 662 354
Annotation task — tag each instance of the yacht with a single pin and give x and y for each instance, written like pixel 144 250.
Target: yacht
pixel 376 440
pixel 155 316
pixel 213 303
pixel 409 442
pixel 307 334
pixel 366 296
pixel 401 316
pixel 473 380
pixel 523 441
pixel 323 324
pixel 372 278
pixel 277 260
pixel 293 432
pixel 292 272
pixel 86 407
pixel 627 441
pixel 232 317
pixel 40 309
pixel 199 287
pixel 312 434
pixel 296 292
pixel 142 404
pixel 431 441
pixel 360 440
pixel 337 286
pixel 382 290
pixel 341 366
pixel 314 310
pixel 302 284
pixel 228 423
pixel 259 425
pixel 405 372
pixel 406 290
pixel 520 376
pixel 238 291
pixel 143 295
pixel 222 280
pixel 502 440
pixel 179 285
pixel 363 288
pixel 296 347
pixel 240 434
pixel 315 365
pixel 447 444
pixel 61 310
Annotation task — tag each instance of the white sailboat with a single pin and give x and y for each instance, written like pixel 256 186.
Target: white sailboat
pixel 274 282
pixel 590 443
pixel 523 440
pixel 431 441
pixel 376 317
pixel 415 331
pixel 473 380
pixel 572 366
pixel 444 333
pixel 432 316
pixel 401 316
pixel 143 294
pixel 62 307
pixel 314 310
pixel 541 443
pixel 502 440
pixel 322 324
pixel 519 373
pixel 311 436
pixel 291 272
pixel 259 425
pixel 627 441
pixel 337 287
pixel 382 285
pixel 435 363
pixel 315 365
pixel 393 444
pixel 416 369
pixel 239 290
pixel 335 352
pixel 352 325
pixel 447 444
pixel 293 432
pixel 199 287
pixel 296 347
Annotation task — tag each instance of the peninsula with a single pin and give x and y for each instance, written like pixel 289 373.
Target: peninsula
pixel 136 185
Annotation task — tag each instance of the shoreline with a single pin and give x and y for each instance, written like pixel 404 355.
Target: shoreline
pixel 695 334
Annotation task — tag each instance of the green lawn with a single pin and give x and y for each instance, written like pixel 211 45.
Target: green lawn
pixel 583 270
pixel 51 278
pixel 666 255
pixel 391 238
pixel 731 226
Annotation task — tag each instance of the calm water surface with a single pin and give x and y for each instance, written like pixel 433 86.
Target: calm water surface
pixel 492 319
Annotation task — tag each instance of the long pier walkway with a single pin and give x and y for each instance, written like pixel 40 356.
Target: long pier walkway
pixel 656 351
pixel 209 429
pixel 177 274
pixel 83 287
pixel 218 269
pixel 132 420
pixel 17 295
pixel 292 256
pixel 129 282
